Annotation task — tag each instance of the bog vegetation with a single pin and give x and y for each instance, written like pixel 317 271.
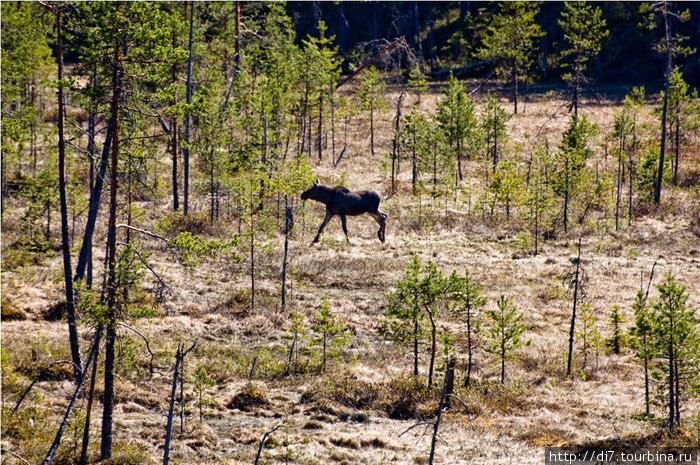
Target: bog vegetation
pixel 162 300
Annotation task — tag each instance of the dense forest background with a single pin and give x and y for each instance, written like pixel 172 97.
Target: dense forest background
pixel 450 33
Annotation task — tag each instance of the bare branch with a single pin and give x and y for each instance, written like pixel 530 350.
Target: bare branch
pixel 194 344
pixel 143 231
pixel 651 278
pixel 163 285
pixel 262 441
pixel 466 408
pixel 148 347
pixel 39 378
pixel 422 423
pixel 15 454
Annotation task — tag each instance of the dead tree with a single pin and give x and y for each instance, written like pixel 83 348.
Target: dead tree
pixel 88 409
pixel 579 277
pixel 288 223
pixel 179 357
pixel 262 441
pixel 447 389
pixel 36 380
pixel 399 42
pixel 69 410
pixel 396 148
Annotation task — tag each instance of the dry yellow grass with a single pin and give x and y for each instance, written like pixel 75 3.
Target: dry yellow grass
pixel 511 424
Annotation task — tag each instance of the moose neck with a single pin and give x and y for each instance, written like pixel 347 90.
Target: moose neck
pixel 323 194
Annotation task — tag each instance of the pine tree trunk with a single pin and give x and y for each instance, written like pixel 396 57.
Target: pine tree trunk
pixel 174 138
pixel 566 196
pixel 444 402
pixel 332 90
pixel 662 153
pixel 646 381
pixel 320 125
pixel 515 90
pixel 65 237
pixel 186 152
pixel 470 349
pixel 371 127
pixel 91 392
pixel 415 345
pixel 677 153
pixel 396 145
pixel 85 256
pixel 110 334
pixel 433 345
pixel 287 230
pixel 619 181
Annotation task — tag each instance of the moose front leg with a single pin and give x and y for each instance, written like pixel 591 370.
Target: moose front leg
pixel 328 217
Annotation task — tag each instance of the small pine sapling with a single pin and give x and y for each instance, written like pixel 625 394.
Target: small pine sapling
pixel 296 332
pixel 503 335
pixel 331 334
pixel 467 303
pixel 676 346
pixel 201 382
pixel 641 340
pixel 618 339
pixel 589 336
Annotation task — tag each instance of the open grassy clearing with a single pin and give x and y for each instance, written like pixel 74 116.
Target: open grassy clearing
pixel 345 415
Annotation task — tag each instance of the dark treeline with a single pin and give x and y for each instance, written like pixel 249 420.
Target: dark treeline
pixel 452 32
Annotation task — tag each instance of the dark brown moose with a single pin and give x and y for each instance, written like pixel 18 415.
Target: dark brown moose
pixel 342 201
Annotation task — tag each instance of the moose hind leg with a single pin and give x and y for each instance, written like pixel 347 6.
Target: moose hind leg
pixel 345 227
pixel 380 217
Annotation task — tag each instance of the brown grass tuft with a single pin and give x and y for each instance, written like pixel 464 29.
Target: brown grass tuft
pixel 251 397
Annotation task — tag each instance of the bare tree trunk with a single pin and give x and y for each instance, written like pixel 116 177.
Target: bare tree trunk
pixel 110 330
pixel 186 152
pixel 65 236
pixel 179 357
pixel 433 344
pixel 619 178
pixel 85 256
pixel 287 229
pixel 444 403
pixel 252 250
pixel 69 410
pixel 396 145
pixel 174 138
pixel 573 313
pixel 415 345
pixel 515 90
pixel 88 409
pixel 662 153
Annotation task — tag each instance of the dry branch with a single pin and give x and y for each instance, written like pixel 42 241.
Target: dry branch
pixel 262 441
pixel 14 454
pixel 37 379
pixel 142 231
pixel 148 347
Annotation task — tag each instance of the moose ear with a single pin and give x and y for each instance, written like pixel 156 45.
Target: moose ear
pixel 317 182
